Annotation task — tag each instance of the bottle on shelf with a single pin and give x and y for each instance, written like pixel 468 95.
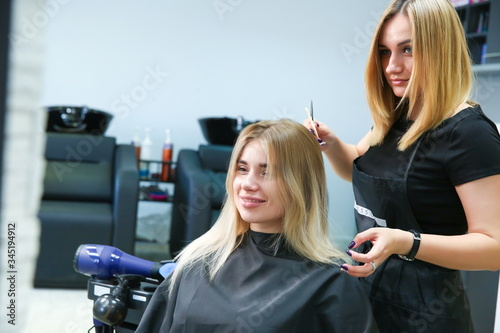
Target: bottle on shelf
pixel 136 142
pixel 167 157
pixel 145 155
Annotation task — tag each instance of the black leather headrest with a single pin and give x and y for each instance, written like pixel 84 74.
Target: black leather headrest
pixel 75 148
pixel 215 157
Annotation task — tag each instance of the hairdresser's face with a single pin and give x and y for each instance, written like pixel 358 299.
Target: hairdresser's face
pixel 395 49
pixel 255 193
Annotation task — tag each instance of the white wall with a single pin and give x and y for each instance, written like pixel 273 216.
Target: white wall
pixel 165 64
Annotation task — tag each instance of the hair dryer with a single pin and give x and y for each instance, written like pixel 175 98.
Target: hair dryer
pixel 104 262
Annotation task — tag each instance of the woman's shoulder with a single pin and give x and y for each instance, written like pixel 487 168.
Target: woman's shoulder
pixel 472 115
pixel 333 273
pixel 468 145
pixel 469 123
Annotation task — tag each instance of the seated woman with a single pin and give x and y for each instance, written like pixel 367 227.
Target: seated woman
pixel 267 265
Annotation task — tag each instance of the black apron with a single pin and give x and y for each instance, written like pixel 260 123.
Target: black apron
pixel 406 296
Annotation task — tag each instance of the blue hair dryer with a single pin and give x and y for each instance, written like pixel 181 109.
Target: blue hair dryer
pixel 104 262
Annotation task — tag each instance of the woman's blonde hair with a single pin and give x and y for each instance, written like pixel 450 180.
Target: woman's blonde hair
pixel 296 163
pixel 441 78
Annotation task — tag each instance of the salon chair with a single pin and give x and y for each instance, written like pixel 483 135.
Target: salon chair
pixel 199 192
pixel 90 196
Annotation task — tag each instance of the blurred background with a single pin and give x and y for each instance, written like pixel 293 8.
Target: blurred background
pixel 157 65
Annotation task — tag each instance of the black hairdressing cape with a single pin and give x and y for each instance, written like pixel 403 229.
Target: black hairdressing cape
pixel 260 290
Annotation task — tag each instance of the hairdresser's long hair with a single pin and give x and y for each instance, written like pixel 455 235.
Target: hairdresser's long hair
pixel 442 76
pixel 296 162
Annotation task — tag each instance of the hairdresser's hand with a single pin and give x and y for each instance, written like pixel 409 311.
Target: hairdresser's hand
pixel 385 241
pixel 325 134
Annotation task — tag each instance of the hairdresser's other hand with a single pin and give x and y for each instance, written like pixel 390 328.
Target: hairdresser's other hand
pixel 325 134
pixel 385 241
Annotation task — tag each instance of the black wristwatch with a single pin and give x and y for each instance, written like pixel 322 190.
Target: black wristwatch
pixel 414 248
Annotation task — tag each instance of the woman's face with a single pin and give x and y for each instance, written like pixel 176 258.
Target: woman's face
pixel 255 193
pixel 395 49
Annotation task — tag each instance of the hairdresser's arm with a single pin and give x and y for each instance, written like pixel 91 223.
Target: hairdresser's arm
pixel 479 249
pixel 340 155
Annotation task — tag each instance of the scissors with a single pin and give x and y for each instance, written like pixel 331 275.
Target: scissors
pixel 310 115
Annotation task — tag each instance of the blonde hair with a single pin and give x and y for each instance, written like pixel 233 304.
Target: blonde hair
pixel 441 78
pixel 296 162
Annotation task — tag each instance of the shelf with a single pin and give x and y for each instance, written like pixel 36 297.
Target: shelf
pixel 478 4
pixel 480 30
pixel 155 180
pixel 157 162
pixel 155 193
pixel 477 35
pixel 155 169
pixel 471 5
pixel 486 68
pixel 169 199
pixel 152 191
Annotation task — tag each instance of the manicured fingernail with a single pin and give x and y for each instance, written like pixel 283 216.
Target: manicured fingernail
pixel 351 245
pixel 311 130
pixel 344 268
pixel 349 253
pixel 320 141
pixel 317 125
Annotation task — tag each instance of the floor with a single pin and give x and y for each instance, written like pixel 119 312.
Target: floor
pixel 70 311
pixel 59 310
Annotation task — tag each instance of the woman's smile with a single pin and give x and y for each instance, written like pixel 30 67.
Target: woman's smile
pixel 250 202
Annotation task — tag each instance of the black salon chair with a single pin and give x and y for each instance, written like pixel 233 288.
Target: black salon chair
pixel 90 197
pixel 199 192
